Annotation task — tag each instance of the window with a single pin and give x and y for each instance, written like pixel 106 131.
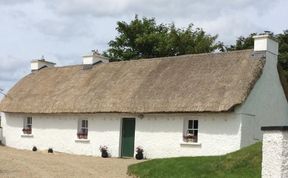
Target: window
pixel 190 131
pixel 82 129
pixel 27 126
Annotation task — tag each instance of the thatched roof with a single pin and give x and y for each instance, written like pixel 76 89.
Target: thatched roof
pixel 188 83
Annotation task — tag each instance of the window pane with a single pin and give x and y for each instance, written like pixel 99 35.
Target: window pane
pixel 29 121
pixel 84 125
pixel 196 132
pixel 190 124
pixel 195 124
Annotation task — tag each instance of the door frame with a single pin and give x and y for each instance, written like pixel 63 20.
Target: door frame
pixel 121 136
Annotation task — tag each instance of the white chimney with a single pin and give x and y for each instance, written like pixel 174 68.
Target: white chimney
pixel 94 58
pixel 41 63
pixel 265 43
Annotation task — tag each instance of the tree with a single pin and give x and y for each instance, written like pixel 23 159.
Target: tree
pixel 243 43
pixel 143 38
pixel 283 49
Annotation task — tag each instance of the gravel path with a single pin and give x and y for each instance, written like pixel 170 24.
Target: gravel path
pixel 23 163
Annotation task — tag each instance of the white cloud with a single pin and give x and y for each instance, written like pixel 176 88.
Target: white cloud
pixel 11 69
pixel 161 8
pixel 14 2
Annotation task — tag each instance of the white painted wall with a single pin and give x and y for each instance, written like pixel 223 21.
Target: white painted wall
pixel 267 102
pixel 59 132
pixel 275 154
pixel 248 126
pixel 160 135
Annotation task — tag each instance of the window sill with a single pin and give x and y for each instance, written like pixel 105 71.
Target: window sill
pixel 190 143
pixel 82 140
pixel 27 135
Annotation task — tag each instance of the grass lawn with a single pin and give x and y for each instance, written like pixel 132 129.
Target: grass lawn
pixel 245 163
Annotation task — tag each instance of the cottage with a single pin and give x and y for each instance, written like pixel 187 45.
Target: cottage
pixel 190 105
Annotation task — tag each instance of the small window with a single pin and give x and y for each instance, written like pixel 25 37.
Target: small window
pixel 190 131
pixel 27 126
pixel 82 129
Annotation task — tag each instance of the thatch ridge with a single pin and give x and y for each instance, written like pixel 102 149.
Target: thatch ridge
pixel 213 82
pixel 194 55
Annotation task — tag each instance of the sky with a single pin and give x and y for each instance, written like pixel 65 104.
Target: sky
pixel 64 30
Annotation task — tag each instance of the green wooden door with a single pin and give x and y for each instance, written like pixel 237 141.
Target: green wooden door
pixel 128 134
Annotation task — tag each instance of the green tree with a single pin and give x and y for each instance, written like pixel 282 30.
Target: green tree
pixel 144 38
pixel 243 43
pixel 283 49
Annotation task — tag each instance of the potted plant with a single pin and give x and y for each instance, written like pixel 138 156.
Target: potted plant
pixel 27 130
pixel 50 150
pixel 139 153
pixel 82 135
pixel 104 151
pixel 34 148
pixel 190 137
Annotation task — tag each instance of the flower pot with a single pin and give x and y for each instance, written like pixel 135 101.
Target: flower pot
pixel 104 154
pixel 27 131
pixel 50 150
pixel 34 148
pixel 139 156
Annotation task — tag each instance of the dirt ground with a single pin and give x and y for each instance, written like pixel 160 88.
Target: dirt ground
pixel 25 163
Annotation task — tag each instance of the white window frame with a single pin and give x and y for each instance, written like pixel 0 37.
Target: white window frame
pixel 27 124
pixel 190 134
pixel 83 128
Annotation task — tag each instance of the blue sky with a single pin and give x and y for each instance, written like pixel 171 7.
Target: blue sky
pixel 64 30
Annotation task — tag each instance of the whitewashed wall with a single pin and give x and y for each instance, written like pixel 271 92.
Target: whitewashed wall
pixel 266 105
pixel 59 132
pixel 249 125
pixel 160 135
pixel 275 153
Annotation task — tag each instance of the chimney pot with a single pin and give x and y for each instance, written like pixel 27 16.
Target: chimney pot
pixel 94 58
pixel 41 63
pixel 265 43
